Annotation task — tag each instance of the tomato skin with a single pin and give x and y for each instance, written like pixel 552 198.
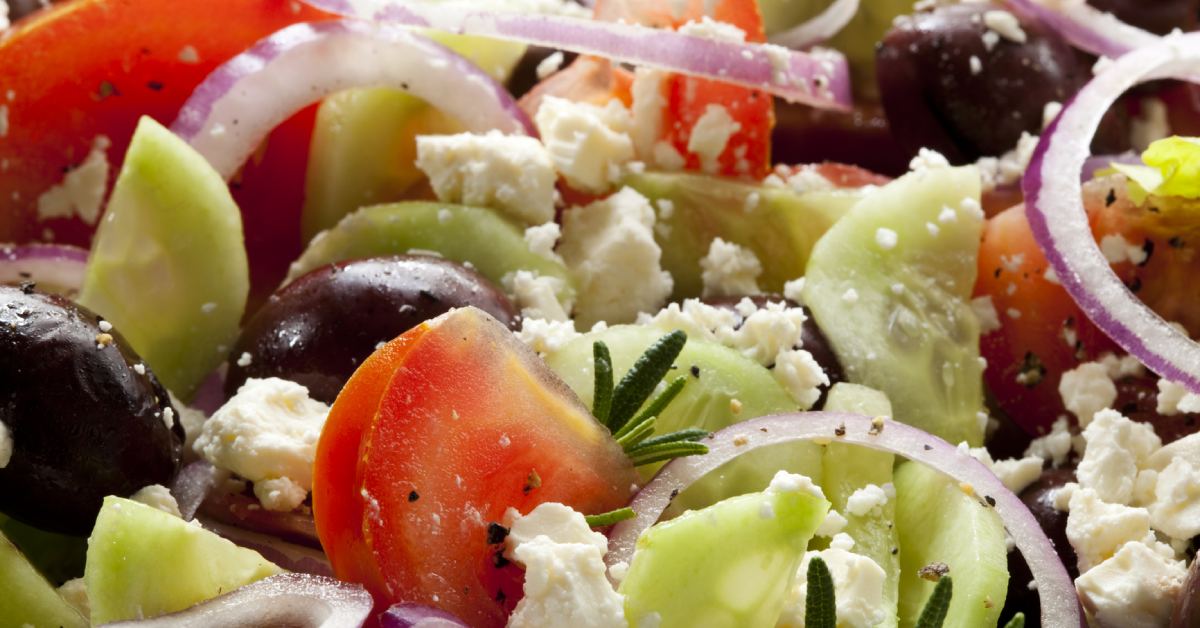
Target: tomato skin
pixel 471 425
pixel 83 69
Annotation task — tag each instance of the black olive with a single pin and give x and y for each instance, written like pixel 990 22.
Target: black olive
pixel 319 328
pixel 85 416
pixel 1039 498
pixel 1160 16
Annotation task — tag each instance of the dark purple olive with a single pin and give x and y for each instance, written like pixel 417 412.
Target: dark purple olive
pixel 949 82
pixel 416 616
pixel 85 416
pixel 814 340
pixel 1137 398
pixel 525 75
pixel 861 137
pixel 316 330
pixel 1159 16
pixel 288 599
pixel 1187 604
pixel 1039 498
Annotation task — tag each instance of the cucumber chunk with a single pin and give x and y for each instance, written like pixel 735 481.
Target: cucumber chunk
pixel 721 376
pixel 364 140
pixel 492 244
pixel 777 224
pixel 730 564
pixel 143 562
pixel 938 522
pixel 59 557
pixel 847 468
pixel 168 264
pixel 890 286
pixel 27 599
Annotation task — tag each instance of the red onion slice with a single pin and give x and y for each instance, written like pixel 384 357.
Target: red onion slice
pixel 54 267
pixel 288 599
pixel 1054 206
pixel 417 616
pixel 819 78
pixel 234 109
pixel 1059 603
pixel 193 484
pixel 1086 27
pixel 820 28
pixel 290 556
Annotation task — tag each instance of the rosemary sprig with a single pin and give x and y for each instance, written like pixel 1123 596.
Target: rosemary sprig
pixel 617 407
pixel 1017 621
pixel 934 613
pixel 820 607
pixel 611 517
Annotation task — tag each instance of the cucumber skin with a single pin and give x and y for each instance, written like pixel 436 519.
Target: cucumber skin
pixel 27 598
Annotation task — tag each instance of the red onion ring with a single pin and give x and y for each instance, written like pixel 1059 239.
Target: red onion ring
pixel 193 484
pixel 232 111
pixel 54 267
pixel 820 28
pixel 1086 27
pixel 1054 206
pixel 821 78
pixel 1059 603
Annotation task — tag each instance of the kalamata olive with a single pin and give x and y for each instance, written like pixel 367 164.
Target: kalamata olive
pixel 861 136
pixel 950 82
pixel 525 75
pixel 86 418
pixel 1187 604
pixel 813 339
pixel 1160 16
pixel 316 330
pixel 1039 498
pixel 1137 399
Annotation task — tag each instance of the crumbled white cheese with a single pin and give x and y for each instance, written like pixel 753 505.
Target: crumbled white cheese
pixel 157 496
pixel 709 28
pixel 1018 474
pixel 785 482
pixel 1005 24
pixel 1136 587
pixel 511 173
pixel 607 243
pixel 541 240
pixel 550 64
pixel 537 296
pixel 729 270
pixel 985 311
pixel 976 64
pixel 1174 398
pixel 801 375
pixel 767 331
pixel 806 179
pixel 1121 367
pixel 928 159
pixel 192 420
pixel 1050 111
pixel 1054 446
pixel 545 336
pixel 267 431
pixel 647 113
pixel 81 192
pixel 1116 447
pixel 710 135
pixel 886 238
pixel 1086 390
pixel 587 143
pixel 794 290
pixel 1117 249
pixel 866 500
pixel 280 494
pixel 1176 506
pixel 1097 529
pixel 832 524
pixel 6 445
pixel 1007 169
pixel 565 582
pixel 857 583
pixel 245 359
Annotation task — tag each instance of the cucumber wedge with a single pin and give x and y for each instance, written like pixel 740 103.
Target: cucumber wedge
pixel 890 286
pixel 27 598
pixel 730 564
pixel 168 264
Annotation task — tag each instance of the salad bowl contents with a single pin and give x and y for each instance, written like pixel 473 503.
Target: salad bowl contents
pixel 536 313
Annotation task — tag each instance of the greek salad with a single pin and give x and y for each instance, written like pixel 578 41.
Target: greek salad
pixel 417 313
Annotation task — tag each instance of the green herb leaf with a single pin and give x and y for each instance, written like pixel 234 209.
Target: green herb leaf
pixel 655 407
pixel 609 518
pixel 1017 621
pixel 820 607
pixel 633 434
pixel 691 434
pixel 645 454
pixel 938 605
pixel 637 384
pixel 602 397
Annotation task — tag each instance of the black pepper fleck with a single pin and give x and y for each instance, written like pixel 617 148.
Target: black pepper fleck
pixel 413 496
pixel 496 533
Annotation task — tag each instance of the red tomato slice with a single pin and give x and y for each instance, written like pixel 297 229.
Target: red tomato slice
pixel 93 67
pixel 748 152
pixel 473 424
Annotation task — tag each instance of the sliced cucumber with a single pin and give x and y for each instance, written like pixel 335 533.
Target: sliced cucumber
pixel 778 225
pixel 59 557
pixel 492 244
pixel 721 377
pixel 27 598
pixel 899 316
pixel 364 140
pixel 847 468
pixel 168 264
pixel 730 564
pixel 939 523
pixel 143 562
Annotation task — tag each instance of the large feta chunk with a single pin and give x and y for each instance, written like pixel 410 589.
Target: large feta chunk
pixel 565 581
pixel 266 433
pixel 1176 506
pixel 1097 529
pixel 511 173
pixel 609 246
pixel 588 144
pixel 857 584
pixel 1116 447
pixel 1136 587
pixel 536 295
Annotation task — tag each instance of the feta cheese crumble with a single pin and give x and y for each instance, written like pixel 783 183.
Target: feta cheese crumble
pixel 157 496
pixel 1086 390
pixel 1136 587
pixel 729 270
pixel 857 584
pixel 1115 448
pixel 587 143
pixel 267 433
pixel 81 192
pixel 710 135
